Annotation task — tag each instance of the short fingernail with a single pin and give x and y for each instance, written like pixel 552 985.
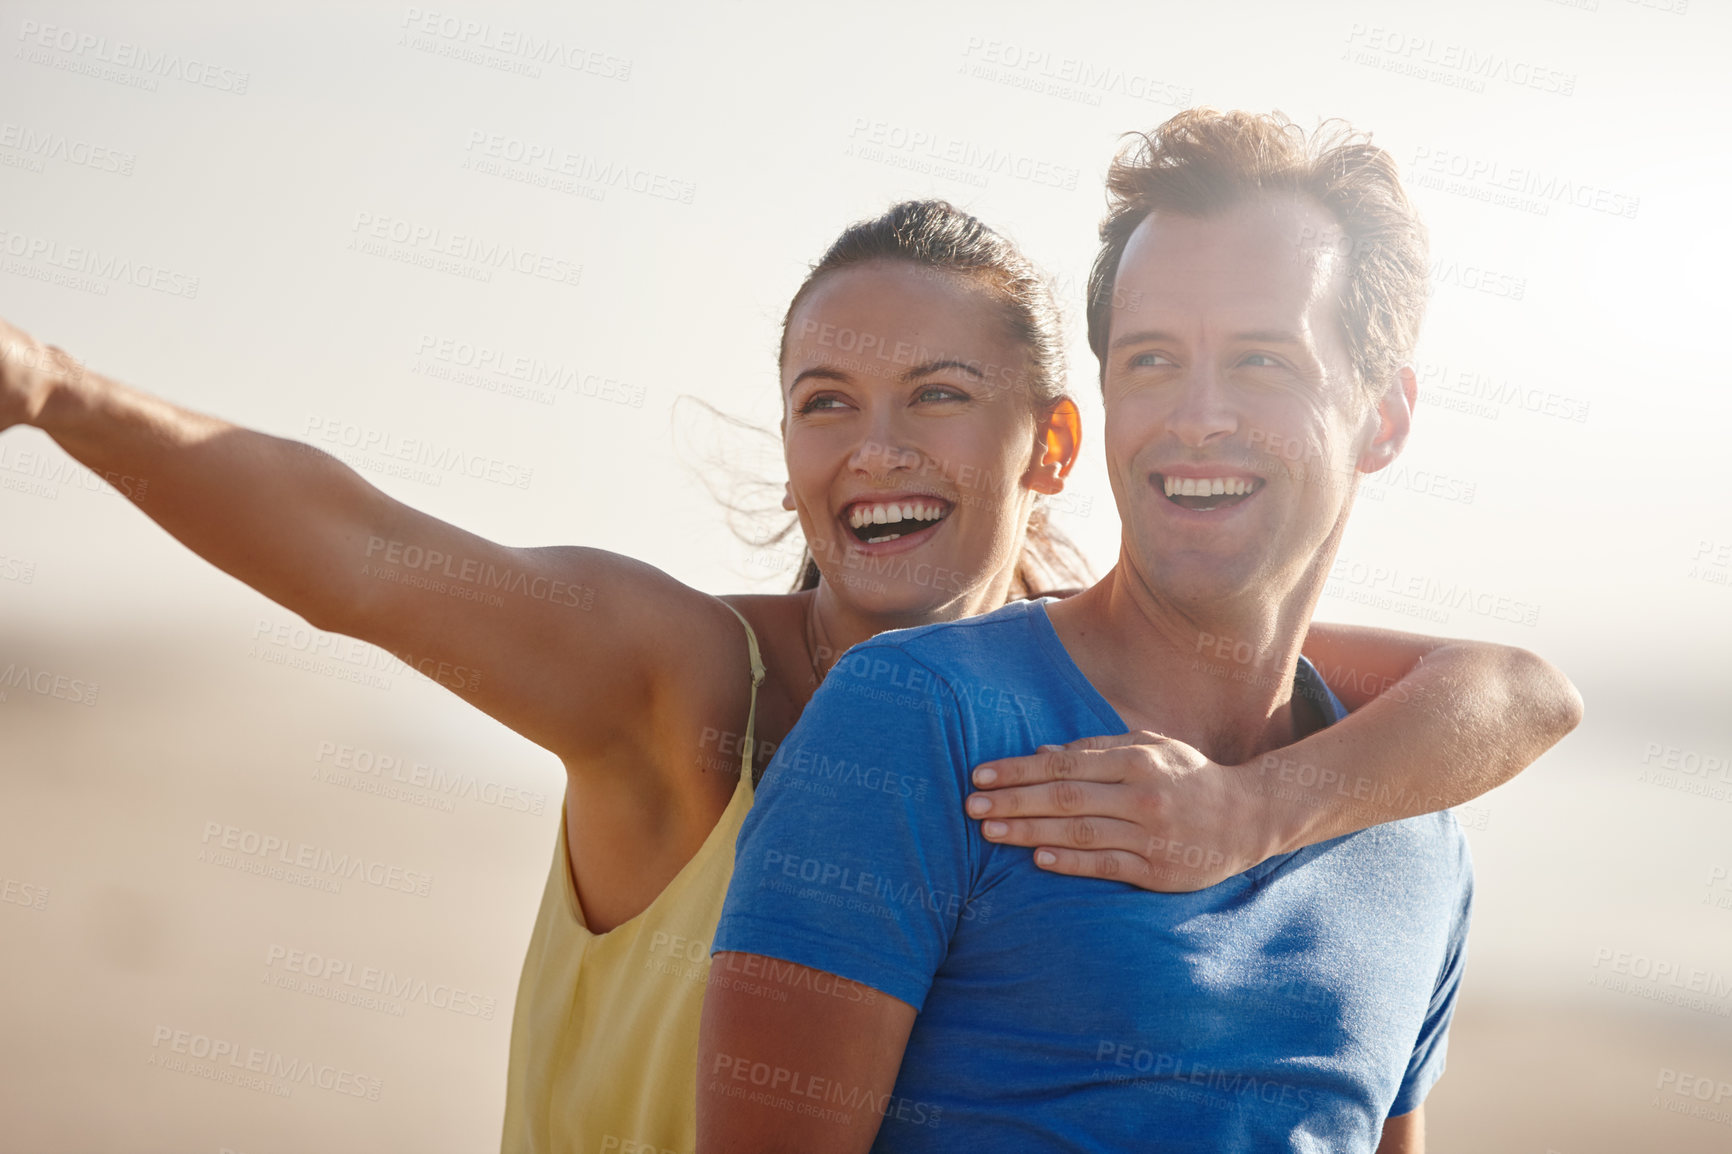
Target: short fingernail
pixel 1044 857
pixel 978 805
pixel 996 829
pixel 1046 749
pixel 985 776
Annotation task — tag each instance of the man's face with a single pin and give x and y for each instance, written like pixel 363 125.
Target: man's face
pixel 1228 377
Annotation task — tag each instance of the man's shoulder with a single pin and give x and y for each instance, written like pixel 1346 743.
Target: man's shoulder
pixel 1425 857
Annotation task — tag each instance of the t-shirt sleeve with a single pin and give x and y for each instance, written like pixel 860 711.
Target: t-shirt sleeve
pixel 1429 1052
pixel 856 856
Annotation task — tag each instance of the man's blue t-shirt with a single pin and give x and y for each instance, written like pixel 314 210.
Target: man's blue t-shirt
pixel 1292 1007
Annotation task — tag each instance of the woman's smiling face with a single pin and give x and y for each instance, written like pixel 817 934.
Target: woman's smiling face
pixel 911 435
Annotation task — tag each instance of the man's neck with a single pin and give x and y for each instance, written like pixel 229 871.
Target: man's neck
pixel 1220 680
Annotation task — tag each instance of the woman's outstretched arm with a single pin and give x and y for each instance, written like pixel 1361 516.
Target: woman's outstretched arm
pixel 560 644
pixel 1435 723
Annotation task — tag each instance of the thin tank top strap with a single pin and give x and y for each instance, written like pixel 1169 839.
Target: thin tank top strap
pixel 750 744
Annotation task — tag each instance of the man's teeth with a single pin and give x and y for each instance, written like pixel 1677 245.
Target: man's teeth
pixel 1207 486
pixel 894 512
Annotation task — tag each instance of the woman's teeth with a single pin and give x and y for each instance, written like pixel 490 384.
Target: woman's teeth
pixel 1207 486
pixel 864 519
pixel 892 514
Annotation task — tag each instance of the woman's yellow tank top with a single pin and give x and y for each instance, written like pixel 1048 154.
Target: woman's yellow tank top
pixel 604 1038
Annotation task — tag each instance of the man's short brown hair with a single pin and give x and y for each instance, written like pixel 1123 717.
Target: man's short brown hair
pixel 1203 162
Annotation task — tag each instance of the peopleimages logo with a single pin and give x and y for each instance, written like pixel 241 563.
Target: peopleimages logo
pixel 92 54
pixel 480 573
pixel 542 378
pixel 1458 65
pixel 340 979
pixel 372 772
pixel 431 460
pixel 538 162
pixel 883 892
pixel 18 893
pixel 1174 1069
pixel 92 269
pixel 1390 587
pixel 929 150
pixel 461 254
pixel 47 683
pixel 1482 394
pixel 322 867
pixel 46 472
pixel 1065 77
pixel 269 1070
pixel 1522 186
pixel 503 47
pixel 38 145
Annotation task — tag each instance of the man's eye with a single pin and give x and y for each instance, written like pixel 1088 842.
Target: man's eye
pixel 1147 360
pixel 1262 360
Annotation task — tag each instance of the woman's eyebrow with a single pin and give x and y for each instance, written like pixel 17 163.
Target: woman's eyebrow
pixel 935 366
pixel 819 374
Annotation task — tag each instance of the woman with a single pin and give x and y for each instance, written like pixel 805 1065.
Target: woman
pixel 924 414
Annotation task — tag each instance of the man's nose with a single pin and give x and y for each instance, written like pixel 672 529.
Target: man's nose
pixel 1203 410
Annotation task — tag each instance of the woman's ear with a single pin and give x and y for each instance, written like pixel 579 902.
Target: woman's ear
pixel 1058 439
pixel 788 496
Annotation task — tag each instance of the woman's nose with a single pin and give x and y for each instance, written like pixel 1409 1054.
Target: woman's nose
pixel 884 449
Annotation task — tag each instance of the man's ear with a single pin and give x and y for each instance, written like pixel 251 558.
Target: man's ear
pixel 788 496
pixel 1058 440
pixel 1394 414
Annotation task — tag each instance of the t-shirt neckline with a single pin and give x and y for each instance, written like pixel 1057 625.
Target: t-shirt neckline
pixel 1306 681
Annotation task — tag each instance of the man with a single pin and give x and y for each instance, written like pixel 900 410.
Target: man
pixel 1254 307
